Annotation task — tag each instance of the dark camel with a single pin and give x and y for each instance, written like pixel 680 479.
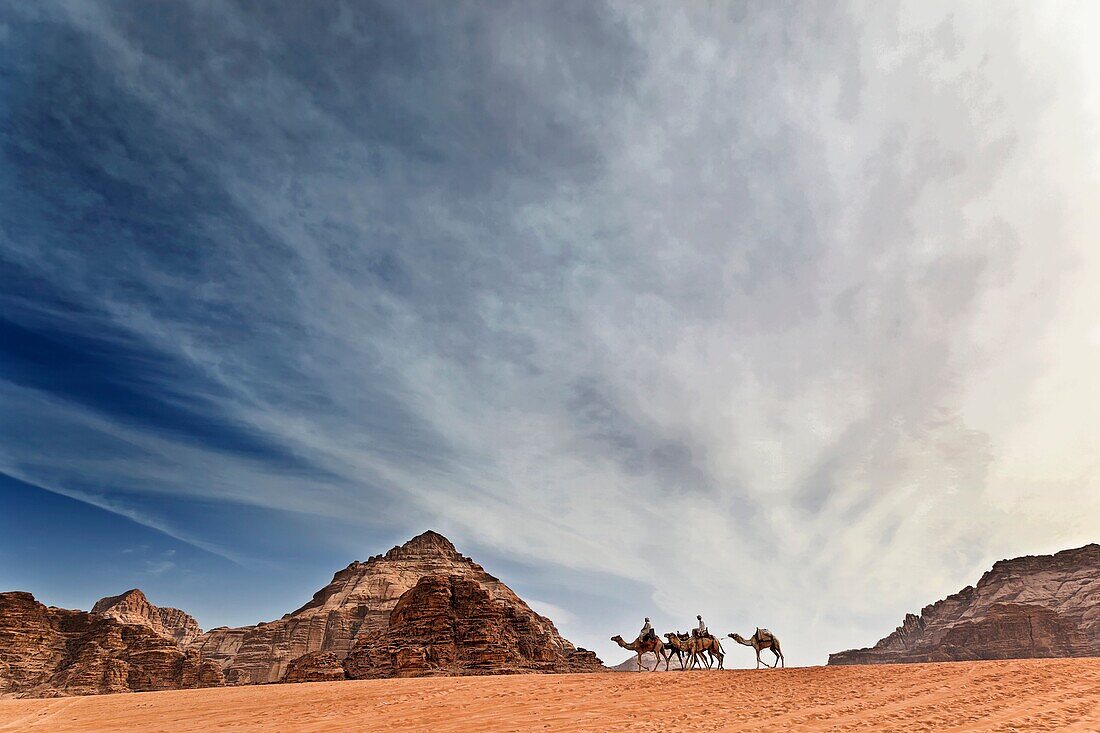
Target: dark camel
pixel 675 645
pixel 771 642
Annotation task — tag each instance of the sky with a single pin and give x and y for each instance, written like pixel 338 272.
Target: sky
pixel 781 313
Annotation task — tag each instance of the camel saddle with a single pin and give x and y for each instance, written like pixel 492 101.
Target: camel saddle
pixel 763 634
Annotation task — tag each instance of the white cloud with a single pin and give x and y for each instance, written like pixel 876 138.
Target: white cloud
pixel 792 312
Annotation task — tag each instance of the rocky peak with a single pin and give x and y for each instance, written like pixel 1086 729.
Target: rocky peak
pixel 132 607
pixel 356 604
pixel 425 545
pixel 133 601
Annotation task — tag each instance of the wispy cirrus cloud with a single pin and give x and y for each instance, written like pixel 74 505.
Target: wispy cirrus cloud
pixel 681 296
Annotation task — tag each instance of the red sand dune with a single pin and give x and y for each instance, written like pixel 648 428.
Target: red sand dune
pixel 1014 695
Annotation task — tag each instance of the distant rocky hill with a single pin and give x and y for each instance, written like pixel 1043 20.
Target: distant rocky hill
pixel 50 652
pixel 132 607
pixel 420 609
pixel 648 660
pixel 1034 606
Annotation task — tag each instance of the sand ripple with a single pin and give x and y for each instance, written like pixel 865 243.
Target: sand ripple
pixel 1016 695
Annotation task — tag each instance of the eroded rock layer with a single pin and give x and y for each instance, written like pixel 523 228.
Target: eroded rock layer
pixel 447 625
pixel 50 652
pixel 1034 606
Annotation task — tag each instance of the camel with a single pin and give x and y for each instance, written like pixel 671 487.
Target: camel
pixel 639 647
pixel 696 646
pixel 772 642
pixel 676 645
pixel 710 645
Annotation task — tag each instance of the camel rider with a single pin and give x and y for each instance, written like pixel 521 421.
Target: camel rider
pixel 647 631
pixel 702 630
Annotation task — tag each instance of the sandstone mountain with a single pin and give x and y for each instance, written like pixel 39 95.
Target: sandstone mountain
pixel 1034 606
pixel 420 609
pixel 132 607
pixel 49 652
pixel 456 619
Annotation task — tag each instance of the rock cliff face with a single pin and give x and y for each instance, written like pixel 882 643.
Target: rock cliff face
pixel 422 608
pixel 132 607
pixel 1034 606
pixel 50 652
pixel 357 605
pixel 451 626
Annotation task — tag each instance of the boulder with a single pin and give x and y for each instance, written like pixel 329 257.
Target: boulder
pixel 315 667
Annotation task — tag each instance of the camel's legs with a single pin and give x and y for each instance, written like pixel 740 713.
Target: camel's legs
pixel 757 658
pixel 639 661
pixel 715 652
pixel 779 654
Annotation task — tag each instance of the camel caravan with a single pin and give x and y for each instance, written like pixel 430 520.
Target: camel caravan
pixel 700 646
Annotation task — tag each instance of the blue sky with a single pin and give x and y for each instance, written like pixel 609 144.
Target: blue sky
pixel 780 313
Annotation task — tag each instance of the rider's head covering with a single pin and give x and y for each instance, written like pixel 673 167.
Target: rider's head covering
pixel 647 618
pixel 699 617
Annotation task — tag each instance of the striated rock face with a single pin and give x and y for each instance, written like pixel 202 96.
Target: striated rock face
pixel 315 667
pixel 358 604
pixel 1034 606
pixel 50 652
pixel 132 607
pixel 451 626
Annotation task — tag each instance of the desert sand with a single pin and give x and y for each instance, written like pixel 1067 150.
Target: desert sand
pixel 1016 695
